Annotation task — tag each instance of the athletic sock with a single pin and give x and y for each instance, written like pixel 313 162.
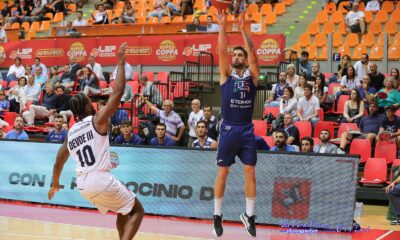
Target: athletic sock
pixel 250 206
pixel 218 206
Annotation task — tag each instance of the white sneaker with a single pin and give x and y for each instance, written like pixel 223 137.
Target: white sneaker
pixel 340 151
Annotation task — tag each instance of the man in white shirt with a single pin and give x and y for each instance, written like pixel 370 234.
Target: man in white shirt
pixel 79 21
pixel 101 16
pixel 96 68
pixel 194 117
pixel 31 93
pixel 362 67
pixel 15 71
pixel 128 72
pixel 211 27
pixel 37 65
pixel 355 20
pixel 308 107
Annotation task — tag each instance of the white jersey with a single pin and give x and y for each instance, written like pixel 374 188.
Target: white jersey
pixel 89 149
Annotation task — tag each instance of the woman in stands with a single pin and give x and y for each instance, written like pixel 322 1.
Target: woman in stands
pixel 343 65
pixel 348 83
pixel 396 76
pixel 393 96
pixel 288 104
pixel 292 78
pixel 89 83
pixel 53 76
pixel 321 92
pixel 299 90
pixel 354 108
pixel 14 94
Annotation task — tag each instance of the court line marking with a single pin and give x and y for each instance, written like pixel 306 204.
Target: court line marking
pixel 385 235
pixel 41 236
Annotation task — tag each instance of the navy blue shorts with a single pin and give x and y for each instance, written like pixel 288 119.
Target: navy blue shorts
pixel 236 140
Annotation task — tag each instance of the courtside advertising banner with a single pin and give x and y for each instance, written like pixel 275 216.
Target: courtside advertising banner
pixel 143 50
pixel 316 191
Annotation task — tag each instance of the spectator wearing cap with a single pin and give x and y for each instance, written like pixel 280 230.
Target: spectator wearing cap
pixel 390 126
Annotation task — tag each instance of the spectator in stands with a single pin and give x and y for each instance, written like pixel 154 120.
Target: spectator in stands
pixel 101 16
pixel 22 11
pixel 307 144
pixel 66 79
pixel 57 6
pixel 203 140
pixel 53 76
pixel 321 92
pixel 161 139
pixel 211 122
pixel 62 105
pixel 150 91
pixel 46 109
pixel 127 137
pixel 368 128
pixel 299 90
pixel 15 71
pixel 199 27
pixel 355 20
pixel 175 126
pixel 281 137
pixel 305 65
pixel 31 93
pixel 58 134
pixel 390 124
pixel 158 9
pixel 292 78
pixel 128 72
pixel 315 73
pixel 18 132
pixel 194 117
pixel 345 62
pixel 292 131
pixel 37 65
pixel 40 78
pixel 128 14
pixel 393 195
pixel 4 104
pixel 37 12
pixel 211 27
pixel 394 72
pixel 79 21
pixel 95 67
pixel 28 70
pixel 348 83
pixel 277 91
pixel 288 104
pixel 354 108
pixel 74 68
pixel 325 146
pixel 367 92
pixel 3 34
pixel 88 82
pixel 71 30
pixel 108 4
pixel 393 96
pixel 362 67
pixel 6 11
pixel 308 107
pixel 14 94
pixel 186 7
pixel 377 78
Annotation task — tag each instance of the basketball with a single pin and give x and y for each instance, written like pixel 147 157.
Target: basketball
pixel 221 4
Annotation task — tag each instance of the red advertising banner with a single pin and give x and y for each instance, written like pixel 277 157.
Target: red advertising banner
pixel 144 50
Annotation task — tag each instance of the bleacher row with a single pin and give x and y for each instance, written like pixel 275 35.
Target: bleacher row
pixel 331 21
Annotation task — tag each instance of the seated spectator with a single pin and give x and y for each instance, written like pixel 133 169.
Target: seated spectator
pixel 15 93
pixel 6 11
pixel 40 78
pixel 175 126
pixel 315 73
pixel 326 146
pixel 393 96
pixel 58 6
pixel 199 28
pixel 37 12
pixel 281 137
pixel 367 91
pixel 292 78
pixel 31 93
pixel 62 105
pixel 3 34
pixel 88 82
pixel 305 65
pixel 71 30
pixel 158 9
pixel 95 67
pixel 390 124
pixel 345 62
pixel 161 139
pixel 4 107
pixel 262 144
pixel 211 27
pixel 394 72
pixel 46 109
pixel 307 144
pixel 355 20
pixel 128 72
pixel 348 83
pixel 128 14
pixel 203 141
pixel 101 15
pixel 20 13
pixel 211 122
pixel 288 104
pixel 18 132
pixel 186 7
pixel 66 79
pixel 362 68
pixel 308 107
pixel 277 91
pixel 321 92
pixel 299 90
pixel 127 137
pixel 79 21
pixel 368 127
pixel 194 117
pixel 354 108
pixel 53 76
pixel 58 134
pixel 377 78
pixel 150 91
pixel 16 71
pixel 292 131
pixel 28 70
pixel 74 67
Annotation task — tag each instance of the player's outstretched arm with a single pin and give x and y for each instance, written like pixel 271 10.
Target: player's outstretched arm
pixel 249 46
pixel 61 158
pixel 224 68
pixel 101 118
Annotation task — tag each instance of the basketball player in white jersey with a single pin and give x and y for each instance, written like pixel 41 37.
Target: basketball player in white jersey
pixel 88 144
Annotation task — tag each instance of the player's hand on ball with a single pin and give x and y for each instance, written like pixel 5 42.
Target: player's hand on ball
pixel 53 191
pixel 121 52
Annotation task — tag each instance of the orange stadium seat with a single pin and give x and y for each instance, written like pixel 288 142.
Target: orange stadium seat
pixel 142 20
pixel 165 19
pixel 376 53
pixel 322 17
pixel 288 2
pixel 386 150
pixel 361 6
pixel 212 11
pixel 199 4
pixel 367 39
pixel 120 5
pixel 58 17
pixel 320 40
pixel 391 28
pixel 304 40
pixel 375 27
pixel 381 40
pixel 337 17
pixel 49 15
pixel 329 27
pixel 394 52
pixel 396 39
pixel 337 39
pixel 177 19
pixel 266 9
pixel 26 26
pixel 398 5
pixel 343 50
pixel 257 17
pixel 330 7
pixel 312 51
pixel 270 19
pixel 313 28
pixel 341 6
pixel 118 13
pixel 304 127
pixel 342 28
pixel 323 55
pixel 72 7
pixel 375 171
pixel 45 26
pixel 30 35
pixel 260 127
pixel 15 25
pixel 203 18
pixel 189 18
pixel 34 27
pixel 252 9
pixel 381 16
pixel 279 8
pixel 361 147
pixel 395 16
pixel 358 51
pixel 369 17
pixel 351 39
pixel 387 6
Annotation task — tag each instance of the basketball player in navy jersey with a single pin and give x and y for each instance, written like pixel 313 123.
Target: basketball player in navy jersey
pixel 238 90
pixel 88 144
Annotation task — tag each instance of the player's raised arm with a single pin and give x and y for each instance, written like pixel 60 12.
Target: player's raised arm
pixel 101 118
pixel 61 158
pixel 249 46
pixel 224 68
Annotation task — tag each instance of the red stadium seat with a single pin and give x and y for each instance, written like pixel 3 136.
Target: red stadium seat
pixel 163 77
pixel 374 171
pixel 321 125
pixel 316 141
pixel 361 147
pixel 9 117
pixel 304 127
pixel 345 126
pixel 260 127
pixel 386 150
pixel 150 75
pixel 341 102
pixel 270 140
pixel 273 110
pixel 134 85
pixel 396 163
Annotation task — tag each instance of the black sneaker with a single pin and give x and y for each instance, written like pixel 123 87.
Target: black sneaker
pixel 217 228
pixel 395 222
pixel 249 224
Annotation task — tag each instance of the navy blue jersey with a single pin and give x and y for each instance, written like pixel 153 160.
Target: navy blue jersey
pixel 206 144
pixel 238 95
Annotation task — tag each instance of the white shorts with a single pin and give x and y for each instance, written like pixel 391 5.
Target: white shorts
pixel 104 191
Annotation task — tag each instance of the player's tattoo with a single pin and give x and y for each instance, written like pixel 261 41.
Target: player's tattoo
pixel 249 42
